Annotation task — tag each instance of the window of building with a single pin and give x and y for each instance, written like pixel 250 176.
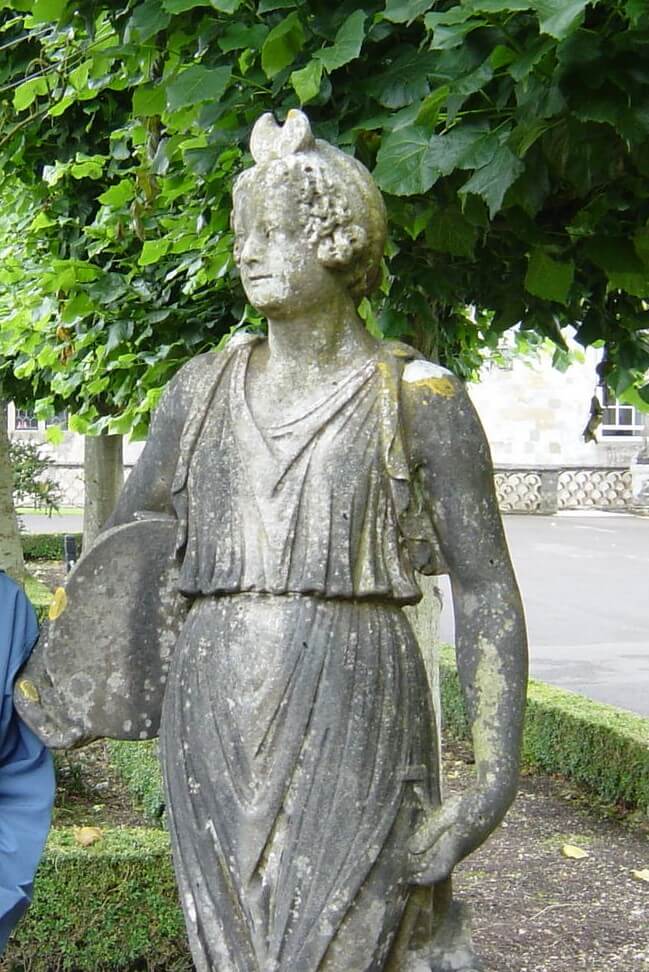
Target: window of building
pixel 25 421
pixel 618 419
pixel 60 419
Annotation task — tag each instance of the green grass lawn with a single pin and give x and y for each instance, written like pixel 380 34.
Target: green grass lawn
pixel 62 511
pixel 38 594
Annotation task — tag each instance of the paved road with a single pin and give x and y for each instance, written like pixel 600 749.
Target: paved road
pixel 585 585
pixel 57 523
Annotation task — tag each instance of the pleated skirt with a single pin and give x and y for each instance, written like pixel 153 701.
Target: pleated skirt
pixel 296 732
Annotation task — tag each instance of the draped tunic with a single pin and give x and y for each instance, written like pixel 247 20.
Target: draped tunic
pixel 297 719
pixel 321 504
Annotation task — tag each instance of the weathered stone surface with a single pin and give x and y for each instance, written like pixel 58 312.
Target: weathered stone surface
pixel 101 664
pixel 311 476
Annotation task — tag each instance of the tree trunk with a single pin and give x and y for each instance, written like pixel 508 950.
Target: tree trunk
pixel 11 551
pixel 103 466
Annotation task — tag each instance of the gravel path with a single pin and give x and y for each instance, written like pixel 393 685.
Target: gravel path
pixel 535 910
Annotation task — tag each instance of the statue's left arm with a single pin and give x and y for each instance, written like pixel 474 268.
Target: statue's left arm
pixel 148 488
pixel 450 452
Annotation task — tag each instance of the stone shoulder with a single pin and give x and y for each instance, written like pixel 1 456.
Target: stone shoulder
pixel 429 383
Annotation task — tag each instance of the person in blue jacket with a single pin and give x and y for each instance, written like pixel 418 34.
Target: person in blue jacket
pixel 26 769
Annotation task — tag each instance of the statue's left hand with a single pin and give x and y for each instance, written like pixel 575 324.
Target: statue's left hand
pixel 451 831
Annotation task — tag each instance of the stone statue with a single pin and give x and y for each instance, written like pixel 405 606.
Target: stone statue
pixel 309 476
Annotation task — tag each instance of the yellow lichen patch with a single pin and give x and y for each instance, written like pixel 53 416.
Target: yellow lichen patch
pixel 28 690
pixel 438 386
pixel 491 686
pixel 58 605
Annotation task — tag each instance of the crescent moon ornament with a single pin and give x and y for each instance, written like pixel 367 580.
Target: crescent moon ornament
pixel 269 140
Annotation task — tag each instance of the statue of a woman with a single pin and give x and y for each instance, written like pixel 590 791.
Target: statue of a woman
pixel 312 474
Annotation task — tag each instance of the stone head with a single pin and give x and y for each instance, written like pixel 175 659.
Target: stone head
pixel 330 195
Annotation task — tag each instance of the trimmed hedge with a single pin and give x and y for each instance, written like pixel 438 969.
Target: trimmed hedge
pixel 46 546
pixel 110 906
pixel 137 764
pixel 599 746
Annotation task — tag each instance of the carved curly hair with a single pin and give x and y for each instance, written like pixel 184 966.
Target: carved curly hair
pixel 338 203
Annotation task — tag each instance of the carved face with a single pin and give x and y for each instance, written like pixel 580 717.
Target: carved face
pixel 280 269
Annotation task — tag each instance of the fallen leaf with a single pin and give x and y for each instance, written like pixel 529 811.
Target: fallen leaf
pixel 573 852
pixel 85 836
pixel 641 875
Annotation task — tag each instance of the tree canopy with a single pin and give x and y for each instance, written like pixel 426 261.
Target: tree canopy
pixel 511 140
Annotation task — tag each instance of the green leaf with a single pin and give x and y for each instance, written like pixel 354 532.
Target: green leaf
pixel 526 134
pixel 499 6
pixel 180 6
pixel 149 99
pixel 636 284
pixel 430 107
pixel 405 11
pixel 559 17
pixel 267 6
pixel 152 251
pixel 59 107
pixel 79 76
pixel 449 232
pixel 75 308
pixel 54 435
pixel 501 56
pixel 467 146
pixel 196 84
pixel 78 424
pixel 614 254
pixel 405 80
pixel 641 244
pixel 306 82
pixel 117 195
pixel 530 57
pixel 41 221
pixel 410 160
pixel 636 10
pixel 238 36
pixel 549 278
pixel 88 167
pixel 447 36
pixel 226 6
pixel 347 43
pixel 27 92
pixel 282 45
pixel 43 10
pixel 403 164
pixel 492 181
pixel 457 13
pixel 147 20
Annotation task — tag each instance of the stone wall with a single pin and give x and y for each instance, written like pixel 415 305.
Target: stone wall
pixel 550 489
pixel 534 416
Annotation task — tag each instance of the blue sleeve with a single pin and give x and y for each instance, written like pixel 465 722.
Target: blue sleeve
pixel 26 769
